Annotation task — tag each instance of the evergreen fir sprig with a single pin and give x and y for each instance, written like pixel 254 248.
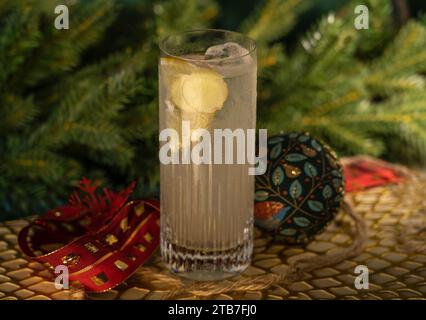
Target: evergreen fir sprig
pixel 60 50
pixel 19 36
pixel 334 87
pixel 181 15
pixel 63 117
pixel 272 20
pixel 399 68
pixel 16 112
pixel 371 42
pixel 84 101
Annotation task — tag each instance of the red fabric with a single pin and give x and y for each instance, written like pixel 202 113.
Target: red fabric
pixel 362 174
pixel 101 239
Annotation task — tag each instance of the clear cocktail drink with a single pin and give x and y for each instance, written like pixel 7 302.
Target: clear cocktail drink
pixel 207 80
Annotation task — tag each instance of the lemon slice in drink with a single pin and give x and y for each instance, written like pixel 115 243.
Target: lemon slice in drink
pixel 203 90
pixel 174 67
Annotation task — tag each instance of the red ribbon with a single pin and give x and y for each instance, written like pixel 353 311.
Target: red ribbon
pixel 101 239
pixel 366 173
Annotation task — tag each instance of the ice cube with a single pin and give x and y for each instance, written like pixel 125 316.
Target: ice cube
pixel 226 50
pixel 216 58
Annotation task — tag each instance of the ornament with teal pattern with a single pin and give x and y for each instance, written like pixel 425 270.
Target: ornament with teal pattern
pixel 302 189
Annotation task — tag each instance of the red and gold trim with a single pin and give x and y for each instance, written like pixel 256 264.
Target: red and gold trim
pixel 102 248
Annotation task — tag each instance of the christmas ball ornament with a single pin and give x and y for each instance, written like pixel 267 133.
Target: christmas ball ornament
pixel 301 190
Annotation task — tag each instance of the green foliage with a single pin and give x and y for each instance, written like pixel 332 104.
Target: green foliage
pixel 272 20
pixel 183 15
pixel 84 101
pixel 65 114
pixel 358 94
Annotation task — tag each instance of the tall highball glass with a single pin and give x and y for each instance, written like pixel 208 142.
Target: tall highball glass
pixel 207 81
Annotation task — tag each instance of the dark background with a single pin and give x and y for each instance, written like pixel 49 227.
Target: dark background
pixel 234 11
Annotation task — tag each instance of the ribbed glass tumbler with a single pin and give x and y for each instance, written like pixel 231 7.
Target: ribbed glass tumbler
pixel 207 104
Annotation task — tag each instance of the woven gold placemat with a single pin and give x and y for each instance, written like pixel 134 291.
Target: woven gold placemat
pixel 395 254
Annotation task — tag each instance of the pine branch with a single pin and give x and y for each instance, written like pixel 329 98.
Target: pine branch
pixel 401 123
pixel 408 144
pixel 138 121
pixel 181 15
pixel 38 164
pixel 370 42
pixel 84 112
pixel 98 135
pixel 119 157
pixel 61 49
pixel 66 110
pixel 273 20
pixel 16 112
pixel 389 86
pixel 347 140
pixel 124 64
pixel 402 60
pixel 329 49
pixel 321 61
pixel 18 37
pixel 268 57
pixel 42 197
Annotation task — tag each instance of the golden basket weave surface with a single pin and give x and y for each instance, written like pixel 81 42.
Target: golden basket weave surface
pixel 397 265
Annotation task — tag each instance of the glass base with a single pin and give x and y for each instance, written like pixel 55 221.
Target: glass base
pixel 202 265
